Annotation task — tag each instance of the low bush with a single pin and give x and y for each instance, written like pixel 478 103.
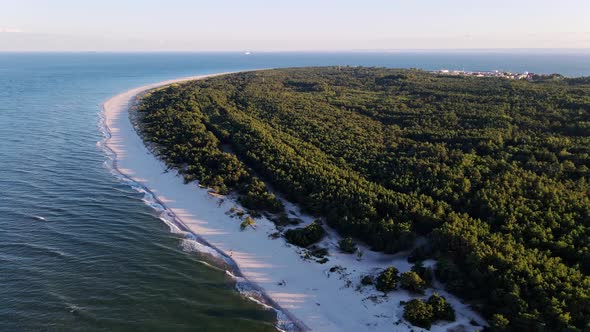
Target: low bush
pixel 347 245
pixel 423 313
pixel 413 282
pixel 387 280
pixel 419 313
pixel 305 236
pixel 367 280
pixel 441 309
pixel 247 222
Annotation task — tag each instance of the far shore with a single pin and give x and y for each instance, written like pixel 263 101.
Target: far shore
pixel 308 296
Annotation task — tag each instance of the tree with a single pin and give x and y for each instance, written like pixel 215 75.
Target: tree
pixel 495 171
pixel 498 323
pixel 424 272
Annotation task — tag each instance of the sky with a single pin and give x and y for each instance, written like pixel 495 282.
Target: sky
pixel 291 25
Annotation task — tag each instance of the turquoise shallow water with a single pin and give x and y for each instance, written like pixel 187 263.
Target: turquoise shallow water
pixel 79 248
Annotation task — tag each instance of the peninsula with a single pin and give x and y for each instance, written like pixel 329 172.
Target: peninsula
pixel 376 199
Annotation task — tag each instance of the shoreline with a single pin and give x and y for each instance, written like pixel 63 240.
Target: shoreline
pixel 233 269
pixel 312 296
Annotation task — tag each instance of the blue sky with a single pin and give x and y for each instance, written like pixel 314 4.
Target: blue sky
pixel 292 25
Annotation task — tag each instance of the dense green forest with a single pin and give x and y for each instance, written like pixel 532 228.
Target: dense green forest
pixel 493 171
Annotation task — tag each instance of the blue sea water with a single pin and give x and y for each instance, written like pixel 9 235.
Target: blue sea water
pixel 79 248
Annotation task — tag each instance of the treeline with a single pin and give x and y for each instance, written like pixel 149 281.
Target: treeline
pixel 494 171
pixel 185 143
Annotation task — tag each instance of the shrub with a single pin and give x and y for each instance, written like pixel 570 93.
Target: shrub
pixel 347 245
pixel 423 313
pixel 306 236
pixel 323 260
pixel 319 252
pixel 367 280
pixel 247 222
pixel 387 280
pixel 441 309
pixel 419 313
pixel 413 282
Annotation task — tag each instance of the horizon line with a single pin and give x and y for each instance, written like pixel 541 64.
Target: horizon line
pixel 252 51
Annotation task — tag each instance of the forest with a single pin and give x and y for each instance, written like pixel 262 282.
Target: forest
pixel 494 172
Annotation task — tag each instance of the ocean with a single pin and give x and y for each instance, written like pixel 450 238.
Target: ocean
pixel 80 250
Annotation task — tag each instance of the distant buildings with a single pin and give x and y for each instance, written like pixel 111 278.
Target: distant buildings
pixel 495 73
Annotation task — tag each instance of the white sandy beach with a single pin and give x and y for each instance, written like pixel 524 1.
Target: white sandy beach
pixel 319 300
